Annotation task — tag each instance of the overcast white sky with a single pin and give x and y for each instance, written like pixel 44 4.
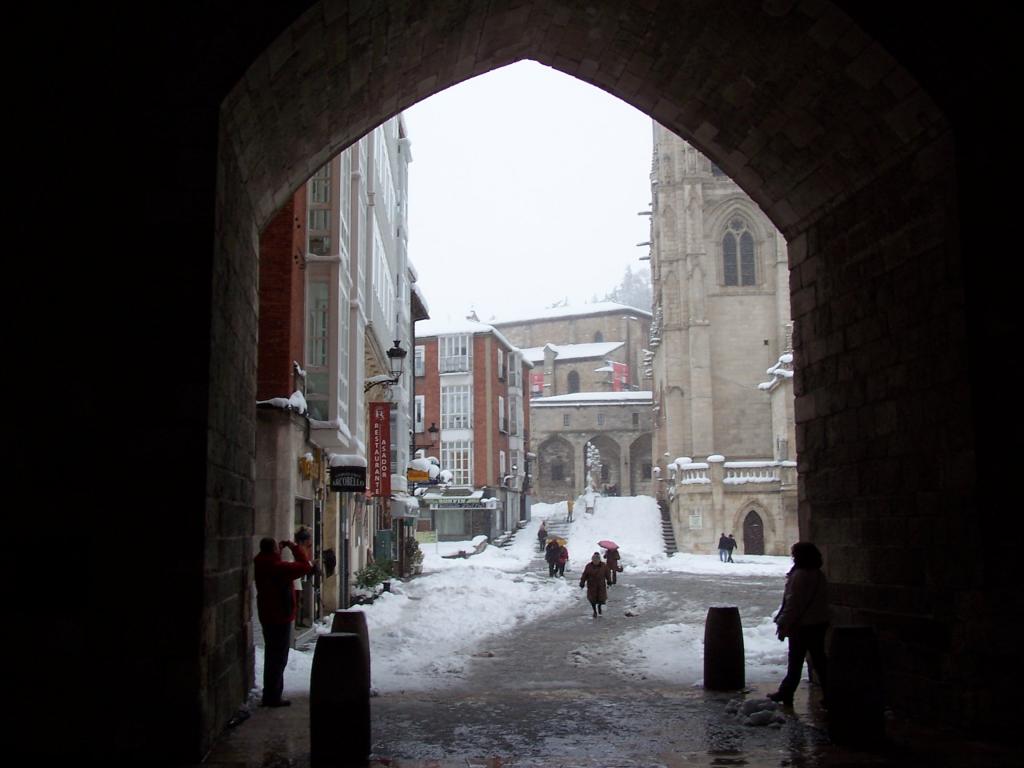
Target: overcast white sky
pixel 524 190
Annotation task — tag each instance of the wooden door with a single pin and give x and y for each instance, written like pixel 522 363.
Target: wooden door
pixel 753 534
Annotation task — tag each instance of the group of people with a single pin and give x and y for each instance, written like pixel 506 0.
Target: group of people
pixel 726 544
pixel 557 555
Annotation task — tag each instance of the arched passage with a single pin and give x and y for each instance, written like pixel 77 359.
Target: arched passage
pixel 556 459
pixel 826 131
pixel 822 137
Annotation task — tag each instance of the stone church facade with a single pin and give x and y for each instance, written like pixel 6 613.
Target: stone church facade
pixel 721 358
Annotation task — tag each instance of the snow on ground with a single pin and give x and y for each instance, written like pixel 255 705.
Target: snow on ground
pixel 674 653
pixel 634 523
pixel 423 633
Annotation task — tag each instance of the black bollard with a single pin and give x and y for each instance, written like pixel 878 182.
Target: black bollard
pixel 723 649
pixel 856 710
pixel 354 622
pixel 339 703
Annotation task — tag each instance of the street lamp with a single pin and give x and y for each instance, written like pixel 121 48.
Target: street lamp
pixel 396 360
pixel 432 431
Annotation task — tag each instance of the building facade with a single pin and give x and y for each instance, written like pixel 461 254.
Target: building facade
pixel 470 387
pixel 335 296
pixel 723 444
pixel 588 387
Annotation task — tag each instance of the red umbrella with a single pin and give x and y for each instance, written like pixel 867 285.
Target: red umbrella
pixel 607 544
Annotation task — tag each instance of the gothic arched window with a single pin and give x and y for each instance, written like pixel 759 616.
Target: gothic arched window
pixel 738 266
pixel 574 382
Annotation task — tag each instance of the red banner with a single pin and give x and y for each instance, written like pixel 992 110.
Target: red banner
pixel 380 449
pixel 620 377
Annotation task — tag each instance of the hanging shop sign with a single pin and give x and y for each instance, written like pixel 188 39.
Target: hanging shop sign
pixel 348 479
pixel 380 449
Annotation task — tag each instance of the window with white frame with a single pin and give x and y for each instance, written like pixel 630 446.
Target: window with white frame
pixel 455 352
pixel 317 347
pixel 513 414
pixel 501 465
pixel 456 456
pixel 738 263
pixel 501 365
pixel 420 358
pixel 502 422
pixel 318 201
pixel 419 413
pixel 456 406
pixel 382 283
pixel 346 205
pixel 343 348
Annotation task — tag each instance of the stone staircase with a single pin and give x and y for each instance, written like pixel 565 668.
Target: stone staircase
pixel 667 533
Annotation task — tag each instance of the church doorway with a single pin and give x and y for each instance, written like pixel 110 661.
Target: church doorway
pixel 753 534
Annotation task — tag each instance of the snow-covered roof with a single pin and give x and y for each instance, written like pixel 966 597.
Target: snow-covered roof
pixel 597 308
pixel 415 287
pixel 572 351
pixel 594 398
pixel 428 328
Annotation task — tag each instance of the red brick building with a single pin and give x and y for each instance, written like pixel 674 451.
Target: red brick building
pixel 472 414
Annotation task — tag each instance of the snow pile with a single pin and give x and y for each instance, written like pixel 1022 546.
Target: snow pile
pixel 674 653
pixel 295 403
pixel 424 631
pixel 756 712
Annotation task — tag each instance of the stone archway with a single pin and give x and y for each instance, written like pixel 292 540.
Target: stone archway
pixel 823 136
pixel 753 534
pixel 556 468
pixel 832 136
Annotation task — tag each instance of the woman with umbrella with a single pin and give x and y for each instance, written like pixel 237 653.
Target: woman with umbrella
pixel 595 578
pixel 611 557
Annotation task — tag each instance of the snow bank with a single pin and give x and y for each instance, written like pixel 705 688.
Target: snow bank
pixel 634 523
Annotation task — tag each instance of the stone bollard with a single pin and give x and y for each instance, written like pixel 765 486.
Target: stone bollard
pixel 723 649
pixel 856 714
pixel 354 622
pixel 339 703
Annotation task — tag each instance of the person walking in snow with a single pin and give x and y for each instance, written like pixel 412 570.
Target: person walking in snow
pixel 551 556
pixel 723 548
pixel 595 578
pixel 731 544
pixel 612 557
pixel 568 510
pixel 563 558
pixel 275 606
pixel 542 535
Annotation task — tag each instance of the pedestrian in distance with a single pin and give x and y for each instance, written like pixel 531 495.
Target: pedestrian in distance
pixel 611 558
pixel 563 558
pixel 731 544
pixel 803 619
pixel 542 536
pixel 551 556
pixel 568 510
pixel 275 606
pixel 723 548
pixel 595 578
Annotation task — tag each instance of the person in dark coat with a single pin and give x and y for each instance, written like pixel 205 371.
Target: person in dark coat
pixel 723 548
pixel 563 558
pixel 595 578
pixel 612 558
pixel 731 544
pixel 542 535
pixel 551 555
pixel 803 619
pixel 275 605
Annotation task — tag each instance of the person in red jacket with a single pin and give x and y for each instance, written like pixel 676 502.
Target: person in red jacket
pixel 275 604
